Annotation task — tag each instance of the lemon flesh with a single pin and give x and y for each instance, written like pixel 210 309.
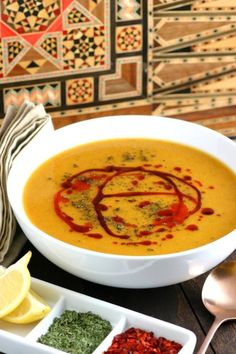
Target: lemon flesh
pixel 14 285
pixel 31 309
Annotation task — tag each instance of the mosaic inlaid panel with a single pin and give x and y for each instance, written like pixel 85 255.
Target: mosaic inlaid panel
pixel 71 54
pixel 194 60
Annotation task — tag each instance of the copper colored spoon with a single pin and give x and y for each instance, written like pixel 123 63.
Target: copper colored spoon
pixel 219 297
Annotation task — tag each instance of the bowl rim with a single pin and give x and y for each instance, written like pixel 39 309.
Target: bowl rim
pixel 149 117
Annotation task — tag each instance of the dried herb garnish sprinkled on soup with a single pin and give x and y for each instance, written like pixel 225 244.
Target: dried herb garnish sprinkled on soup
pixel 133 196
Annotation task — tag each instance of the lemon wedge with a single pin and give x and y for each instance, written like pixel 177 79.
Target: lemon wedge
pixel 31 309
pixel 14 285
pixel 2 269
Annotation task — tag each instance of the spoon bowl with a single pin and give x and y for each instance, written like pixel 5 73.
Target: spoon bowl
pixel 219 291
pixel 219 297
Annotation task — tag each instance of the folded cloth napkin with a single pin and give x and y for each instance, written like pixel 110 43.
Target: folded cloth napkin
pixel 19 127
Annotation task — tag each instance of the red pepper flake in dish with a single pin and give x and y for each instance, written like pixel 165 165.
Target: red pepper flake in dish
pixel 136 340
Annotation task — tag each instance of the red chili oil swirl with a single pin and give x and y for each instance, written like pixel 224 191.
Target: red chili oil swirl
pixel 175 214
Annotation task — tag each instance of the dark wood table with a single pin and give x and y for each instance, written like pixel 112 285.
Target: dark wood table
pixel 180 304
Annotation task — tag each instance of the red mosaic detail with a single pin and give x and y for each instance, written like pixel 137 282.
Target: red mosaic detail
pixel 53 37
pixel 30 16
pixel 67 42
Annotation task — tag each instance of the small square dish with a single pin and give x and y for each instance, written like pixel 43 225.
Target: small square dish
pixel 21 339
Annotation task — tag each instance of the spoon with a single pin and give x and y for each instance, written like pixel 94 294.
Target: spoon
pixel 219 297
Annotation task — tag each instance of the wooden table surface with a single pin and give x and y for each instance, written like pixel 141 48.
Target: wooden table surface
pixel 180 304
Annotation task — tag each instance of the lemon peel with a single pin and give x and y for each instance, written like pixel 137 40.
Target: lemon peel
pixel 31 309
pixel 14 284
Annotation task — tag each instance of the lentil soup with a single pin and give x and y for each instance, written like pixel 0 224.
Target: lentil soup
pixel 133 197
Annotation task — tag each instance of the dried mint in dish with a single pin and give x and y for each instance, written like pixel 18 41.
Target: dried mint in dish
pixel 76 332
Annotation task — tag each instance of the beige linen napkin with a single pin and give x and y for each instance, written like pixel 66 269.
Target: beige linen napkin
pixel 19 127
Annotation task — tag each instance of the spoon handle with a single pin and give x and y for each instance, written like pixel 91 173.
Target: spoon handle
pixel 217 322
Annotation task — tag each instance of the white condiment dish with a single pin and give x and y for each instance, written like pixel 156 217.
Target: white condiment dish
pixel 21 339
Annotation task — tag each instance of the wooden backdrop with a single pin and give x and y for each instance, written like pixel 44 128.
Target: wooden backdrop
pixel 91 58
pixel 194 62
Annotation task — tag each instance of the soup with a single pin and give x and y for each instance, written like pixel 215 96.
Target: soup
pixel 133 197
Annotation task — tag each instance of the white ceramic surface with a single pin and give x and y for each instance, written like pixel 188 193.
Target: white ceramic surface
pixel 116 270
pixel 21 339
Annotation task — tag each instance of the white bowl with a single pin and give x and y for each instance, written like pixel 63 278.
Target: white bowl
pixel 118 270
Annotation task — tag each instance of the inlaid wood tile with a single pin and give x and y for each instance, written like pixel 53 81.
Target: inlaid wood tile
pixel 194 56
pixel 78 44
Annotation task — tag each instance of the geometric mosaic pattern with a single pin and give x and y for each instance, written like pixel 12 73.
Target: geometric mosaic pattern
pixel 73 38
pixel 80 90
pixel 194 61
pixel 48 94
pixel 29 16
pixel 78 48
pixel 127 10
pixel 86 56
pixel 128 38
